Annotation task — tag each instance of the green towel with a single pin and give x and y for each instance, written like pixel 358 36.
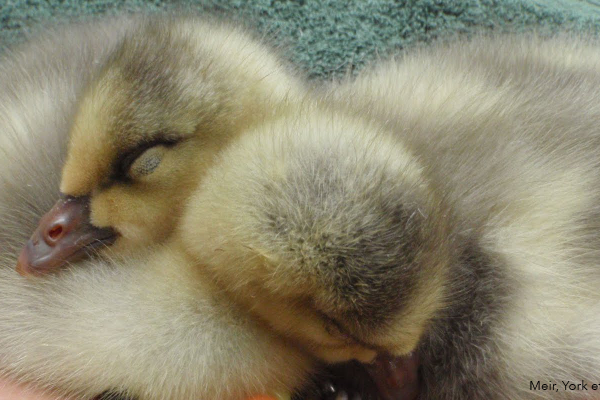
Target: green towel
pixel 327 37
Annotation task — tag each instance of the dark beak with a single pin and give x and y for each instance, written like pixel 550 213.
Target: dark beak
pixel 396 377
pixel 65 234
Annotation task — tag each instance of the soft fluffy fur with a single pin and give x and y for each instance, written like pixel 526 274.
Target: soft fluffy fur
pixel 445 202
pixel 507 131
pixel 145 326
pixel 458 218
pixel 177 84
pixel 315 228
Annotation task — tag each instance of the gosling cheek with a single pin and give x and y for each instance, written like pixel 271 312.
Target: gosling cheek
pixel 138 219
pixel 104 210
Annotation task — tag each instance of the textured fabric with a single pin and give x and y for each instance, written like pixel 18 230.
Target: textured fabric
pixel 326 37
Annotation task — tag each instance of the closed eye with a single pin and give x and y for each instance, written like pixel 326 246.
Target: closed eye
pixel 143 159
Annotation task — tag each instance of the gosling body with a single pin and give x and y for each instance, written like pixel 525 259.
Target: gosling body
pixel 444 203
pixel 140 324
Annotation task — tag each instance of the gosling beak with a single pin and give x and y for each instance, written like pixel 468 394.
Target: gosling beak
pixel 65 234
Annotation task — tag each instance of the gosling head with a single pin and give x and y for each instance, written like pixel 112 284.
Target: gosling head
pixel 173 95
pixel 329 230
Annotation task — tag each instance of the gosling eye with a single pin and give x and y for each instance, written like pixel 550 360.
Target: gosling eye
pixel 147 162
pixel 142 160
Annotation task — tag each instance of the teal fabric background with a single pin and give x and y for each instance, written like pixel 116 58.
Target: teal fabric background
pixel 326 37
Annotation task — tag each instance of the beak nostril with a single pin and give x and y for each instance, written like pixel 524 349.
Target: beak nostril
pixel 55 232
pixel 64 234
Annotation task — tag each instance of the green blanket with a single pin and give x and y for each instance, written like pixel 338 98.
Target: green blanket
pixel 327 37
